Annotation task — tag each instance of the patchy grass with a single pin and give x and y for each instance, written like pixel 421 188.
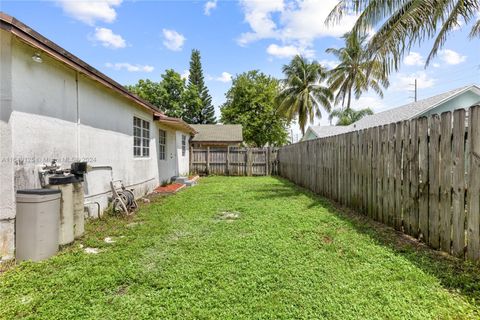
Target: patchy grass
pixel 242 248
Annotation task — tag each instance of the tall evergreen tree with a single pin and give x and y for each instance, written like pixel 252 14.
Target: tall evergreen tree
pixel 206 114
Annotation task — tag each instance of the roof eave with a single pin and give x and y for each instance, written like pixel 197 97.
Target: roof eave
pixel 176 123
pixel 456 94
pixel 36 40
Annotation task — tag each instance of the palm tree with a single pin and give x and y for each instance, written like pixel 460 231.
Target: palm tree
pixel 400 24
pixel 356 71
pixel 302 93
pixel 349 116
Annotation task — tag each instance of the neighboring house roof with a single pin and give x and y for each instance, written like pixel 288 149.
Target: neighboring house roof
pixel 218 133
pixel 326 131
pixel 408 111
pixel 36 40
pixel 405 112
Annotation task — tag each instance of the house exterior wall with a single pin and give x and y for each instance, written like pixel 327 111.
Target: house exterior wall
pixel 50 111
pixel 168 168
pixel 464 100
pixel 219 144
pixel 7 199
pixel 309 135
pixel 183 161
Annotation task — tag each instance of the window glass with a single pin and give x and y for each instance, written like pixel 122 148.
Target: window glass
pixel 162 144
pixel 141 137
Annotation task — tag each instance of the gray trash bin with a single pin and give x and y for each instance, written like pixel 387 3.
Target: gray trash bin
pixel 37 222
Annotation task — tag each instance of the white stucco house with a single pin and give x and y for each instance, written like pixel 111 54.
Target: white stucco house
pixel 56 106
pixel 459 98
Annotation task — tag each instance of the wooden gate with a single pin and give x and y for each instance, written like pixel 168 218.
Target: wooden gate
pixel 234 161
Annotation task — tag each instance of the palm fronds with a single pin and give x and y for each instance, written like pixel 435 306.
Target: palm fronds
pixel 303 93
pixel 401 24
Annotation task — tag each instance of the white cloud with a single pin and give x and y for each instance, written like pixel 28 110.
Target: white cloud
pixel 91 11
pixel 307 21
pixel 109 39
pixel 258 14
pixel 373 103
pixel 288 51
pixel 185 74
pixel 414 59
pixel 330 64
pixel 451 57
pixel 209 6
pixel 130 67
pixel 173 40
pixel 225 77
pixel 404 82
pixel 298 23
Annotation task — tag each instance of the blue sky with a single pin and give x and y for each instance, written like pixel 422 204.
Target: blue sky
pixel 131 40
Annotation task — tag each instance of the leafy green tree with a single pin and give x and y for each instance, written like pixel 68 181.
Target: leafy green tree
pixel 148 90
pixel 348 116
pixel 251 103
pixel 192 105
pixel 172 92
pixel 206 114
pixel 401 24
pixel 357 71
pixel 302 93
pixel 166 95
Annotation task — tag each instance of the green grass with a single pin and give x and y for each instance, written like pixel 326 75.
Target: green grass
pixel 289 255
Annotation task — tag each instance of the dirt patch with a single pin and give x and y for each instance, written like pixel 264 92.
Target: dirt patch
pixel 327 240
pixel 122 290
pixel 228 216
pixel 178 234
pixel 6 265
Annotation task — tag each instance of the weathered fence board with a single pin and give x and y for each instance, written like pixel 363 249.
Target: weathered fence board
pixel 420 176
pixel 458 193
pixel 233 161
pixel 473 190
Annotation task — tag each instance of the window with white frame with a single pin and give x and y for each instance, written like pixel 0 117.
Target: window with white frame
pixel 184 145
pixel 141 137
pixel 162 144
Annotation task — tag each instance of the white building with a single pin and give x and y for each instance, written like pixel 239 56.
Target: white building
pixel 56 106
pixel 460 98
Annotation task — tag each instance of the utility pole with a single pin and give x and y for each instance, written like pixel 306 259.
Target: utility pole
pixel 414 91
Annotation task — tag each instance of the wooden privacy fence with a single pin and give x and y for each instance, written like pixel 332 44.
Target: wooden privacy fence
pixel 420 176
pixel 234 161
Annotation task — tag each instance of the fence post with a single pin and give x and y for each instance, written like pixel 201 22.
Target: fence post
pixel 190 159
pixel 249 161
pixel 208 161
pixel 473 204
pixel 227 168
pixel 267 161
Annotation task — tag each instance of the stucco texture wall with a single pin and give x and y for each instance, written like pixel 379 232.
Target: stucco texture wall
pixel 50 111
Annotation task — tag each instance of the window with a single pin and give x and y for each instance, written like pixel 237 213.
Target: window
pixel 184 145
pixel 141 137
pixel 162 144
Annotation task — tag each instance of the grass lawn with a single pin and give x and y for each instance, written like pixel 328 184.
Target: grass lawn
pixel 242 248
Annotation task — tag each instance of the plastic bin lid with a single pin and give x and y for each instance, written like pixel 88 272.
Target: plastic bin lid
pixel 59 179
pixel 40 192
